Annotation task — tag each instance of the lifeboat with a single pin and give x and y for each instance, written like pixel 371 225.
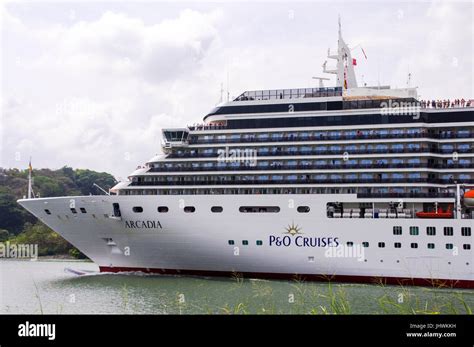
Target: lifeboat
pixel 469 198
pixel 439 213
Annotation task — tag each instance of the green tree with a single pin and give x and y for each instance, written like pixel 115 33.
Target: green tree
pixel 86 178
pixel 12 215
pixel 49 242
pixel 4 235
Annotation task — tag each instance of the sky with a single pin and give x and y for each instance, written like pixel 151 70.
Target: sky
pixel 91 84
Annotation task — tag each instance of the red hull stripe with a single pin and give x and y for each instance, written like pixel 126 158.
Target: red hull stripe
pixel 426 282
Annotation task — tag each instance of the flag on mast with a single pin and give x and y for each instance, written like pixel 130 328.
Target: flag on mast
pixel 30 168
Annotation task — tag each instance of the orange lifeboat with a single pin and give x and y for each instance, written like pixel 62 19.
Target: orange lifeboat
pixel 439 213
pixel 469 198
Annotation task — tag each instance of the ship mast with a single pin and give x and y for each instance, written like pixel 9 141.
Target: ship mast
pixel 344 64
pixel 30 181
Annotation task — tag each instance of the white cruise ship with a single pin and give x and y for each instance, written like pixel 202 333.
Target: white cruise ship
pixel 360 184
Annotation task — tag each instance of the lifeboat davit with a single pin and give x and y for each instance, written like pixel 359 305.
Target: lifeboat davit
pixel 469 198
pixel 439 213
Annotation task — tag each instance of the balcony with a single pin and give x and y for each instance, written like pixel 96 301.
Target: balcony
pixel 326 137
pixel 314 167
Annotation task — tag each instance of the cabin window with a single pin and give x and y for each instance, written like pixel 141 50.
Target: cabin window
pixel 350 244
pixel 414 245
pixel 449 246
pixel 466 246
pixel 365 244
pixel 231 242
pixel 259 209
pixel 397 230
pixel 163 209
pixel 189 209
pixel 47 211
pixel 465 231
pixel 303 209
pixel 245 242
pixel 259 242
pixel 397 245
pixel 83 210
pixel 414 231
pixel 431 231
pixel 73 210
pixel 216 209
pixel 381 244
pixel 431 245
pixel 448 231
pixel 137 209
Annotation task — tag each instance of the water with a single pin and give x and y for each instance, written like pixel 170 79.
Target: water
pixel 44 287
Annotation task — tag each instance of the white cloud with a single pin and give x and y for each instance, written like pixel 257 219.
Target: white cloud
pixel 95 89
pixel 108 87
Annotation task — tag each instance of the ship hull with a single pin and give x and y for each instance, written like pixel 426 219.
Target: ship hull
pixel 283 245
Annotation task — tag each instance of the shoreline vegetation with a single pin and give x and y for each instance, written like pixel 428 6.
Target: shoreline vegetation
pixel 18 226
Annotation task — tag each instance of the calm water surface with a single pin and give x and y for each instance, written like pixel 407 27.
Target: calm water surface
pixel 36 287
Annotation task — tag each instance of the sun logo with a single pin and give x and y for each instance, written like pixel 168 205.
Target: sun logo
pixel 293 229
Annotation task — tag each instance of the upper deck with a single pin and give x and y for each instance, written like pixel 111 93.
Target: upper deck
pixel 280 94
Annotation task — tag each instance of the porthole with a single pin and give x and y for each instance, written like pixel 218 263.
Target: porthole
pixel 163 209
pixel 217 209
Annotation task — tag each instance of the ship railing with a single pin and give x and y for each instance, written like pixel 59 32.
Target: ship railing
pixel 446 104
pixel 331 152
pixel 257 139
pixel 298 181
pixel 270 167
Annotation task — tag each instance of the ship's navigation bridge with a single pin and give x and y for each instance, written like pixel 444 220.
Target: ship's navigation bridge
pixel 175 138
